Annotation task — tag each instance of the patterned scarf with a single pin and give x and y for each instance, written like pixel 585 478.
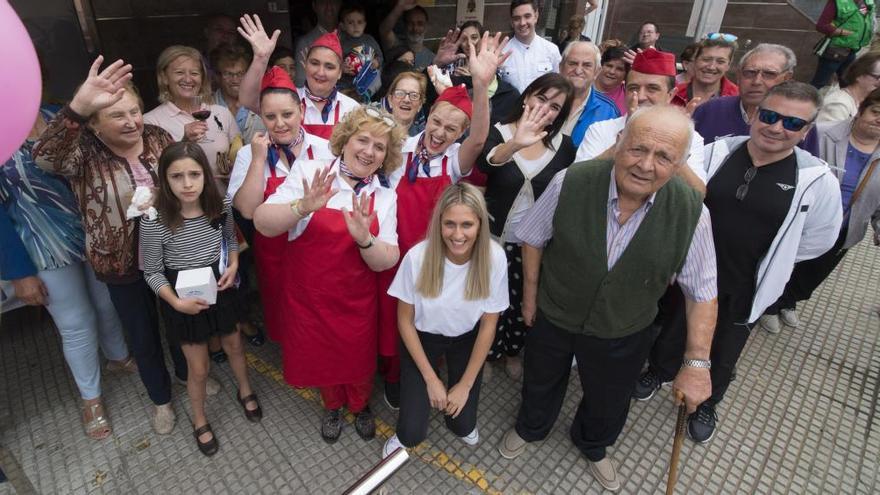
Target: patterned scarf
pixel 275 151
pixel 361 182
pixel 423 158
pixel 328 102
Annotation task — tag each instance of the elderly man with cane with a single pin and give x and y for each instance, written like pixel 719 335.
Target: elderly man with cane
pixel 605 239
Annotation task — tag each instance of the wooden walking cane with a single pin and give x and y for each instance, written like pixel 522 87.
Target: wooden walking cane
pixel 676 443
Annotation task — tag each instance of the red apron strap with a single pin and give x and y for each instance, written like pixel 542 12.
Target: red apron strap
pixel 309 153
pixel 336 119
pixel 445 160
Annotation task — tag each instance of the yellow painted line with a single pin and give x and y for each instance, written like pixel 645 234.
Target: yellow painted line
pixel 425 452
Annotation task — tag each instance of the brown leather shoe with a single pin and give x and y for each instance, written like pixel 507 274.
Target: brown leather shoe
pixel 605 474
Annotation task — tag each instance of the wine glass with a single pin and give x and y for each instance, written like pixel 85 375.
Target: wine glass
pixel 201 113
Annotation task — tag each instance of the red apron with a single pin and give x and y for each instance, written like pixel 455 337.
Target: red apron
pixel 268 257
pixel 332 293
pixel 415 203
pixel 321 130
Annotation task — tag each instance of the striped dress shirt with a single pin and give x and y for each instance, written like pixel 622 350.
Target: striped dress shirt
pixel 698 276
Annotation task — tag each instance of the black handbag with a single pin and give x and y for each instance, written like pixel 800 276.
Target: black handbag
pixel 825 50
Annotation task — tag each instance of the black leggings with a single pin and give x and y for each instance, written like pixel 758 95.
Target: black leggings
pixel 415 407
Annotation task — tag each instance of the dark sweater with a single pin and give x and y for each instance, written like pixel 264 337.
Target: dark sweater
pixel 505 181
pixel 720 117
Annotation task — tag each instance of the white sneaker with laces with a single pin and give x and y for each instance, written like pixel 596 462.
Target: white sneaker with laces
pixel 391 445
pixel 472 438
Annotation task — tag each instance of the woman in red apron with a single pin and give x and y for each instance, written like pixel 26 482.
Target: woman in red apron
pixel 340 217
pixel 260 168
pixel 434 160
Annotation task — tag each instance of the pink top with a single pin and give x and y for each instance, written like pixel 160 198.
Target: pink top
pixel 141 175
pixel 619 97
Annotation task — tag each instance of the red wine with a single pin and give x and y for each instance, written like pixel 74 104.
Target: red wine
pixel 201 115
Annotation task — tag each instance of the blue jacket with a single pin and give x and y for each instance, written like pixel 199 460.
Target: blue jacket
pixel 14 260
pixel 597 108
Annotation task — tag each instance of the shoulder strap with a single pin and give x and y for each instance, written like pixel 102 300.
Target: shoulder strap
pixel 864 181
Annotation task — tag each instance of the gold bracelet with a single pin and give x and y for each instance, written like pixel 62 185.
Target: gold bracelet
pixel 294 207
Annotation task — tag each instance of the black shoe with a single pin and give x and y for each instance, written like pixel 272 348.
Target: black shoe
pixel 210 447
pixel 392 395
pixel 331 425
pixel 647 386
pixel 701 424
pixel 218 356
pixel 256 339
pixel 365 424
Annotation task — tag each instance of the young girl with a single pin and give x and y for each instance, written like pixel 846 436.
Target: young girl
pixel 195 229
pixel 445 285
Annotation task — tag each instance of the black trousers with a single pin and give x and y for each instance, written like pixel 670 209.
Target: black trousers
pixel 728 342
pixel 608 369
pixel 136 304
pixel 415 407
pixel 808 275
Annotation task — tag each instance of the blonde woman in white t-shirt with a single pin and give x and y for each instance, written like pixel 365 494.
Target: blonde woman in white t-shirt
pixel 451 288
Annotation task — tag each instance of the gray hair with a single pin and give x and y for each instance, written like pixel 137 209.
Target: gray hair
pixel 790 58
pixel 569 47
pixel 667 115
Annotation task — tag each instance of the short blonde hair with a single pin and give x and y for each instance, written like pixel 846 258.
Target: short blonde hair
pixel 171 54
pixel 430 281
pixel 358 120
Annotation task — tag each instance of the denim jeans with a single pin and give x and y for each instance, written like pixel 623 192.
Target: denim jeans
pixel 86 319
pixel 827 68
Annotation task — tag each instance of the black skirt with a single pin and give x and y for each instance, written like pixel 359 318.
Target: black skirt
pixel 219 319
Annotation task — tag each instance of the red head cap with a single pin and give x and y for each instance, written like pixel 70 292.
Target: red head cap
pixel 329 40
pixel 276 77
pixel 457 96
pixel 655 62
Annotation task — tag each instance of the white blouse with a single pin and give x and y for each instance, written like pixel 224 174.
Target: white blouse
pixel 385 202
pixel 320 151
pixel 450 314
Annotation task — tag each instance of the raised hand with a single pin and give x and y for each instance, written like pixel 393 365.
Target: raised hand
pixel 632 102
pixel 321 190
pixel 407 4
pixel 359 219
pixel 692 105
pixel 629 56
pixel 484 64
pixel 530 127
pixel 260 148
pixel 447 52
pixel 101 90
pixel 252 30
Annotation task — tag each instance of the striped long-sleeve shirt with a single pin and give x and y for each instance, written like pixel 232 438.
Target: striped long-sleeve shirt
pixel 195 244
pixel 698 276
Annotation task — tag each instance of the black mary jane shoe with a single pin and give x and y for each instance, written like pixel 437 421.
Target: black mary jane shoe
pixel 256 339
pixel 210 447
pixel 252 415
pixel 218 356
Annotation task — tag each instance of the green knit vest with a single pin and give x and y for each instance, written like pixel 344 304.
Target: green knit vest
pixel 576 291
pixel 849 18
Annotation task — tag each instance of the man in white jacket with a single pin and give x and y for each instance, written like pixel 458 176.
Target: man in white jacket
pixel 772 205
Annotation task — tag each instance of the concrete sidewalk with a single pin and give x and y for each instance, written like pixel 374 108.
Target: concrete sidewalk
pixel 801 418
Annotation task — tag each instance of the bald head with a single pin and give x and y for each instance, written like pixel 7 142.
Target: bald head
pixel 653 145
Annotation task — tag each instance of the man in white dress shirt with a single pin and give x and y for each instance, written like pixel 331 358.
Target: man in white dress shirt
pixel 531 55
pixel 651 81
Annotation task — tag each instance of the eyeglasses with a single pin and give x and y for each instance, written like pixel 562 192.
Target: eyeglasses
pixel 410 95
pixel 721 36
pixel 384 117
pixel 231 75
pixel 742 190
pixel 770 117
pixel 767 75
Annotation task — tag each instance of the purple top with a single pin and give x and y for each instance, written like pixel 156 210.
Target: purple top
pixel 723 116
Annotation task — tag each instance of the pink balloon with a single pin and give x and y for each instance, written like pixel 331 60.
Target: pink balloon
pixel 20 82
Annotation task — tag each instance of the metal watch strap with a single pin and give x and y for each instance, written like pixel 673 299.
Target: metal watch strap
pixel 697 363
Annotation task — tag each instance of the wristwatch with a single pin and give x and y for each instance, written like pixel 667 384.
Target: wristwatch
pixel 697 363
pixel 369 243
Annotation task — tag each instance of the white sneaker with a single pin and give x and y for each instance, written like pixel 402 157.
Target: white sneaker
pixel 789 318
pixel 163 419
pixel 770 323
pixel 391 445
pixel 473 437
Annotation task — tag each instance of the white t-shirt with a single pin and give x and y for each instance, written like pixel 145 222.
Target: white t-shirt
pixel 602 135
pixel 529 62
pixel 453 168
pixel 385 202
pixel 450 314
pixel 320 151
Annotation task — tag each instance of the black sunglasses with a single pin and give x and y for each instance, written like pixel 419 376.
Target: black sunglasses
pixel 742 190
pixel 770 117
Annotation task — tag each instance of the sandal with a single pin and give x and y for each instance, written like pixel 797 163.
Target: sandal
pixel 127 365
pixel 210 447
pixel 253 415
pixel 98 427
